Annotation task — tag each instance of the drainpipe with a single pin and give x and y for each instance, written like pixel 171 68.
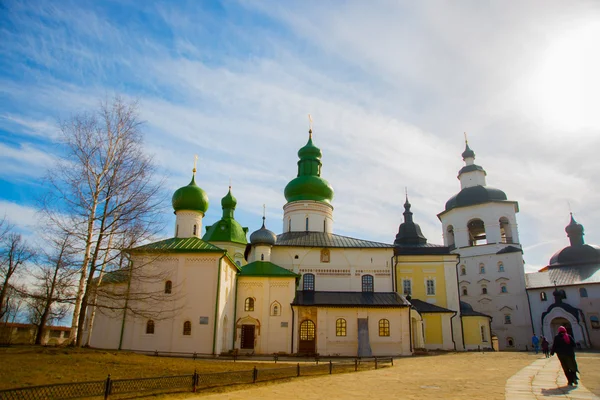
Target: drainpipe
pixel 410 330
pixel 214 347
pixel 293 319
pixel 452 329
pixel 462 328
pixel 235 313
pixel 126 304
pixel 531 314
pixel 393 265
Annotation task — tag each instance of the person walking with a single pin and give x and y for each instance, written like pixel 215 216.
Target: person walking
pixel 564 347
pixel 535 342
pixel 545 347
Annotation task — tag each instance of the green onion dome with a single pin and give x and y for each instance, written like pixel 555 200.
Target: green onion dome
pixel 190 197
pixel 229 201
pixel 309 185
pixel 227 229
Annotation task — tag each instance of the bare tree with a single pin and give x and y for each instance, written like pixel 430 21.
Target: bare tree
pixel 14 255
pixel 54 284
pixel 102 184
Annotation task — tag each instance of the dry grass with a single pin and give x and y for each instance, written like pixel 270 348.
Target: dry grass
pixel 589 365
pixel 29 365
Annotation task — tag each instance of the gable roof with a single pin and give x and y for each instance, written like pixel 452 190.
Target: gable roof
pixel 179 245
pixel 323 239
pixel 350 299
pixel 266 268
pixel 425 307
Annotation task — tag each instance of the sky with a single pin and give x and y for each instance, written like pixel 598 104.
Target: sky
pixel 391 87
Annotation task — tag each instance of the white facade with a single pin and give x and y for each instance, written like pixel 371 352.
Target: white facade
pixel 307 216
pixel 491 269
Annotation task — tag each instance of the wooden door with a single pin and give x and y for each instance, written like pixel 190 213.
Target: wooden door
pixel 247 337
pixel 307 337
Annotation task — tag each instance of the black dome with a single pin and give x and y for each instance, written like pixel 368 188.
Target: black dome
pixel 263 236
pixel 475 195
pixel 578 254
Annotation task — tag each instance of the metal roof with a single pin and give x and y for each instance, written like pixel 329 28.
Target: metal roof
pixel 419 249
pixel 266 268
pixel 564 276
pixel 350 299
pixel 323 239
pixel 179 245
pixel 425 307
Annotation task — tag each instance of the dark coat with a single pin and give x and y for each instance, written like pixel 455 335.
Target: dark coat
pixel 560 347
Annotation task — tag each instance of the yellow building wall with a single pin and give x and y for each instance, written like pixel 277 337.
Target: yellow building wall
pixel 433 328
pixel 419 269
pixel 472 332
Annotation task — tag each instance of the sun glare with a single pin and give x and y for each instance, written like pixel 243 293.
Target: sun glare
pixel 566 86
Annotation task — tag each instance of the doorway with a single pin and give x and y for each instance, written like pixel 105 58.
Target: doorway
pixel 558 322
pixel 307 337
pixel 247 337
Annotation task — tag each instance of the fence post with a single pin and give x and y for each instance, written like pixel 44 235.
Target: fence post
pixel 156 353
pixel 254 375
pixel 356 364
pixel 375 362
pixel 317 359
pixel 194 381
pixel 330 367
pixel 298 369
pixel 107 387
pixel 195 355
pixel 392 358
pixel 275 357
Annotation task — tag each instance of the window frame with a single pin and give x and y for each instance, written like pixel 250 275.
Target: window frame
pixel 384 327
pixel 340 327
pixel 427 287
pixel 308 282
pixel 404 282
pixel 583 292
pixel 543 296
pixel 249 304
pixel 168 287
pixel 507 319
pixel 150 327
pixel 366 286
pixel 501 267
pixel 187 328
pixel 503 288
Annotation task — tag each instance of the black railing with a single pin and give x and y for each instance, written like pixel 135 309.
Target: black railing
pixel 191 382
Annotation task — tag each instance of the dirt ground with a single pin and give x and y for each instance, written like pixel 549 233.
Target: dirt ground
pixel 32 366
pixel 589 367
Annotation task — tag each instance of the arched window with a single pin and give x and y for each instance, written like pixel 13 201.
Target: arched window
pixel 507 319
pixel 325 255
pixel 367 283
pixel 543 296
pixel 481 268
pixel 500 267
pixel 505 230
pixel 168 287
pixel 307 224
pixel 583 292
pixel 340 327
pixel 503 288
pixel 249 304
pixel 195 228
pixel 150 327
pixel 187 328
pixel 262 257
pixel 275 309
pixel 308 282
pixel 450 231
pixel 463 270
pixel 477 235
pixel 307 330
pixel 595 322
pixel 484 289
pixel 510 342
pixel 465 291
pixel 384 327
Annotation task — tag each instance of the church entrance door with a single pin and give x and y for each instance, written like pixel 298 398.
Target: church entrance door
pixel 247 337
pixel 307 337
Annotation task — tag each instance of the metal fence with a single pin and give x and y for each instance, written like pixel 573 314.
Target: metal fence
pixel 192 382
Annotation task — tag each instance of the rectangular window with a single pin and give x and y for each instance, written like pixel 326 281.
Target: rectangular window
pixel 308 282
pixel 430 287
pixel 483 339
pixel 407 287
pixel 367 283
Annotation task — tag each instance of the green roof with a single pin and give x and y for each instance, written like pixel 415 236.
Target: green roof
pixel 309 185
pixel 180 245
pixel 227 229
pixel 266 268
pixel 190 197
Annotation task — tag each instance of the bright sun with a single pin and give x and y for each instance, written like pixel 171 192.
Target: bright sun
pixel 566 86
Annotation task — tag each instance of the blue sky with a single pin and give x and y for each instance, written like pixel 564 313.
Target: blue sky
pixel 391 87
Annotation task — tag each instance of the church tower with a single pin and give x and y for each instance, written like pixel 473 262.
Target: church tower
pixel 479 224
pixel 190 204
pixel 308 207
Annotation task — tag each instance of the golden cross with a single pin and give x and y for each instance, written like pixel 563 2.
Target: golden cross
pixel 229 183
pixel 310 121
pixel 466 141
pixel 264 210
pixel 195 160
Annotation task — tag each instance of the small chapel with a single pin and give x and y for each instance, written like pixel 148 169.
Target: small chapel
pixel 305 290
